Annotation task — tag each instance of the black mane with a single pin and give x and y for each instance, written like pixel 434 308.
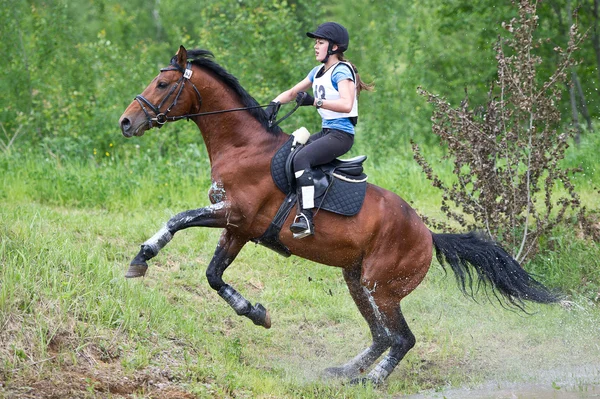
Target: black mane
pixel 204 59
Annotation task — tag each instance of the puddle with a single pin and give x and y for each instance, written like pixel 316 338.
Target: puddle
pixel 520 391
pixel 576 383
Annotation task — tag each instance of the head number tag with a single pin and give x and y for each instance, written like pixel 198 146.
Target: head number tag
pixel 187 74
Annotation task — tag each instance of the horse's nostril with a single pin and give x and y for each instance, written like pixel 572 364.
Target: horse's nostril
pixel 125 123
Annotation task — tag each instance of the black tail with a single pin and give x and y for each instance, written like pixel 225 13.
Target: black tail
pixel 494 266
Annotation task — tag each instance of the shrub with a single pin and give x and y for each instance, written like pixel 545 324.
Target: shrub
pixel 507 154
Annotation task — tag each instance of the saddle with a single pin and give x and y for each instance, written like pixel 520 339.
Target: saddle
pixel 340 187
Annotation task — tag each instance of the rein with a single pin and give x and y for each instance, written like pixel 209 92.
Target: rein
pixel 176 118
pixel 161 117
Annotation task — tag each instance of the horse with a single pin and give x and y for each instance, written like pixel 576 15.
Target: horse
pixel 384 251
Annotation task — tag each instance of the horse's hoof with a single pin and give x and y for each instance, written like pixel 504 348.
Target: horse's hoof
pixel 363 381
pixel 267 323
pixel 136 270
pixel 260 316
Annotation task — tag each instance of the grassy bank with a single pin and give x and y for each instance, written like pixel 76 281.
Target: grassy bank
pixel 72 326
pixel 69 318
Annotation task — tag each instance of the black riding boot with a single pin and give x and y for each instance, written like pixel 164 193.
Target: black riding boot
pixel 303 223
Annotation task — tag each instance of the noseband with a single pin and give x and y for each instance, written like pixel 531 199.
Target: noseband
pixel 161 117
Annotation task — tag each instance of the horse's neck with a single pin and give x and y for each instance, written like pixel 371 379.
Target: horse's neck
pixel 231 135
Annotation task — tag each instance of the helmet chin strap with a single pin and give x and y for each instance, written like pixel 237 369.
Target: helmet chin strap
pixel 329 52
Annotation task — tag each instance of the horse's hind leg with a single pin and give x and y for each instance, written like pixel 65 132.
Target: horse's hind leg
pixel 402 341
pixel 381 337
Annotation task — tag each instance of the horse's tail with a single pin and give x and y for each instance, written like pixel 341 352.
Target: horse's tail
pixel 494 267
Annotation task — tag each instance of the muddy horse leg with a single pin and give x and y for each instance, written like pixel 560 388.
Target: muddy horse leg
pixel 210 216
pixel 402 339
pixel 216 215
pixel 381 338
pixel 227 249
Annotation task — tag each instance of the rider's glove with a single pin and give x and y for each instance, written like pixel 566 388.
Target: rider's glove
pixel 304 99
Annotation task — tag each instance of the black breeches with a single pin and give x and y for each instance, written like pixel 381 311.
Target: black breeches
pixel 323 147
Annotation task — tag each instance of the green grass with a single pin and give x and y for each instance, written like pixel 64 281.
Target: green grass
pixel 63 295
pixel 68 230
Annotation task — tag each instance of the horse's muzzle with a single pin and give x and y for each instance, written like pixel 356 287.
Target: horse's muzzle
pixel 126 129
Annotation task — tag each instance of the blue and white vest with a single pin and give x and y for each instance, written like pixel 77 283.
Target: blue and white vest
pixel 323 89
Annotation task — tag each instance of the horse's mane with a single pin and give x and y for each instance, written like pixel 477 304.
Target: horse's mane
pixel 204 59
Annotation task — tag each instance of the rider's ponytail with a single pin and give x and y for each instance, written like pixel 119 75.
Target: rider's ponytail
pixel 360 85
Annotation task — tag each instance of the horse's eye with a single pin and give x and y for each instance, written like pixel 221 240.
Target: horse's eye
pixel 162 85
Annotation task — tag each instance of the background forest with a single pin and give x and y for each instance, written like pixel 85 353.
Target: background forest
pixel 77 199
pixel 70 67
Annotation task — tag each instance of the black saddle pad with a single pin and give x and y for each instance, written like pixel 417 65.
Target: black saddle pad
pixel 340 196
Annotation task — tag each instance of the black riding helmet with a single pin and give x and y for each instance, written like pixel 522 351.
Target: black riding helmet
pixel 335 34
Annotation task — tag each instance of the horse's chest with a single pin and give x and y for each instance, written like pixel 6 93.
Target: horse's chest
pixel 216 193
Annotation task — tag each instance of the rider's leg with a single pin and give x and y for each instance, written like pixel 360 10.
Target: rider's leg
pixel 322 147
pixel 303 224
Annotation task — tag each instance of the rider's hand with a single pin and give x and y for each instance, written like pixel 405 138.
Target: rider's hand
pixel 304 99
pixel 272 110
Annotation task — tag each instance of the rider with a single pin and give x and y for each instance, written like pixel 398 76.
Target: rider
pixel 336 86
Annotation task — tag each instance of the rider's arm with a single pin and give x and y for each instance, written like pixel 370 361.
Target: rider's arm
pixel 346 100
pixel 290 95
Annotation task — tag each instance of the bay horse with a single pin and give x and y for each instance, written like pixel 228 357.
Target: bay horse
pixel 384 251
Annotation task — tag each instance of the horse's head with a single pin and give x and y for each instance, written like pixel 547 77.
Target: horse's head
pixel 169 96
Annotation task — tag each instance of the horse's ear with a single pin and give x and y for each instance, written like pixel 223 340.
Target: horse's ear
pixel 182 57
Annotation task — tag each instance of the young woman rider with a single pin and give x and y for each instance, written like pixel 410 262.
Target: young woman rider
pixel 336 86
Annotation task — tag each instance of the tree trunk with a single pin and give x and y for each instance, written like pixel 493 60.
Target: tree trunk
pixel 582 102
pixel 596 35
pixel 157 21
pixel 575 79
pixel 574 113
pixel 570 85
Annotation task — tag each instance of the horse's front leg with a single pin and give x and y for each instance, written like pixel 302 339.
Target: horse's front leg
pixel 216 215
pixel 227 249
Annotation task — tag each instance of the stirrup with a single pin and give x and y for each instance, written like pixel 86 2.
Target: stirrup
pixel 302 226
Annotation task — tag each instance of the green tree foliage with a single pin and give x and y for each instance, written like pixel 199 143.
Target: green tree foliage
pixel 446 46
pixel 69 67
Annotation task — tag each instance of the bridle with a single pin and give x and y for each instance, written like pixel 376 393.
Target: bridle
pixel 162 117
